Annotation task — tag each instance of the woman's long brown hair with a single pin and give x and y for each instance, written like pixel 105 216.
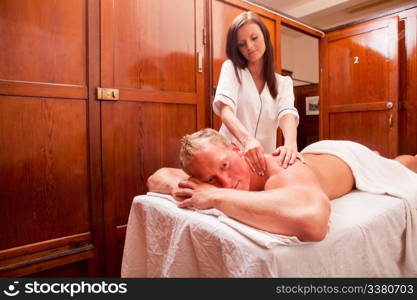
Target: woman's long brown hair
pixel 239 61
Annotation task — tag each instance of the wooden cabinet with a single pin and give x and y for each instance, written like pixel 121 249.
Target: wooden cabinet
pixel 44 157
pixel 151 55
pixel 70 164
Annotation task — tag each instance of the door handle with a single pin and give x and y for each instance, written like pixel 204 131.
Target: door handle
pixel 389 105
pixel 107 94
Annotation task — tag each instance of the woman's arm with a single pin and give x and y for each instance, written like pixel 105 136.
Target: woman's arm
pixel 252 148
pixel 233 124
pixel 288 153
pixel 288 122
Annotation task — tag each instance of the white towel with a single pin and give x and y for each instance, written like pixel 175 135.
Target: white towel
pixel 376 174
pixel 262 238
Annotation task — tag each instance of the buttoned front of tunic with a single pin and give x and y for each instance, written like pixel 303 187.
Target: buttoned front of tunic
pixel 258 112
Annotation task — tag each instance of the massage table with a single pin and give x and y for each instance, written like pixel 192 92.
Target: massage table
pixel 366 238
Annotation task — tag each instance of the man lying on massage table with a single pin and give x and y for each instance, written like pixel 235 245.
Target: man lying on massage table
pixel 292 201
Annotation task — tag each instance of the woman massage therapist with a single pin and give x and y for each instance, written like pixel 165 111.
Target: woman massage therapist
pixel 251 99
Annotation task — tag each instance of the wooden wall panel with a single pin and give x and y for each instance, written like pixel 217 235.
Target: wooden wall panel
pixel 352 125
pixel 49 44
pixel 161 51
pixel 43 185
pixel 40 202
pixel 362 79
pixel 77 269
pixel 174 128
pixel 160 63
pixel 308 128
pixel 138 139
pixel 44 136
pixel 27 30
pixel 408 79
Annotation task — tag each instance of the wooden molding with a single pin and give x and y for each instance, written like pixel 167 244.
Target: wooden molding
pixel 44 245
pixel 402 12
pixel 358 107
pixel 28 259
pixel 42 89
pixel 156 96
pixel 300 28
pixel 254 8
pixel 53 261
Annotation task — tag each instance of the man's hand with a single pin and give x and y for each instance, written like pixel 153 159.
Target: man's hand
pixel 195 193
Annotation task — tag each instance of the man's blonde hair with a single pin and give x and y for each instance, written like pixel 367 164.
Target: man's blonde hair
pixel 191 143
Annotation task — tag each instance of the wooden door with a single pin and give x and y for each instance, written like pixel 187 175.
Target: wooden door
pixel 151 51
pixel 359 85
pixel 223 13
pixel 45 202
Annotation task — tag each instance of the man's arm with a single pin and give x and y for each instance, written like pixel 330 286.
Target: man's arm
pixel 297 208
pixel 165 180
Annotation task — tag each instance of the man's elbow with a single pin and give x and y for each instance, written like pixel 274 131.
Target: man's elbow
pixel 314 223
pixel 154 182
pixel 314 233
pixel 150 183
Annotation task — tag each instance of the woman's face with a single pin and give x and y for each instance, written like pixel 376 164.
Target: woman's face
pixel 251 42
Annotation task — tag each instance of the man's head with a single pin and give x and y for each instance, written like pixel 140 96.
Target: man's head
pixel 209 157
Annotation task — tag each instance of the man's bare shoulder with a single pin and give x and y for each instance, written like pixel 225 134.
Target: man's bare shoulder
pixel 296 174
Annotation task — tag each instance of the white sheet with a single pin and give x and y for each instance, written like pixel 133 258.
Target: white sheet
pixel 366 239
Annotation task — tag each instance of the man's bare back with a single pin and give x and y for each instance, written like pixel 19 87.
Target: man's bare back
pixel 332 175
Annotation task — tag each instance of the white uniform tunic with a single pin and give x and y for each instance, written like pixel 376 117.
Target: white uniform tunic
pixel 258 112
